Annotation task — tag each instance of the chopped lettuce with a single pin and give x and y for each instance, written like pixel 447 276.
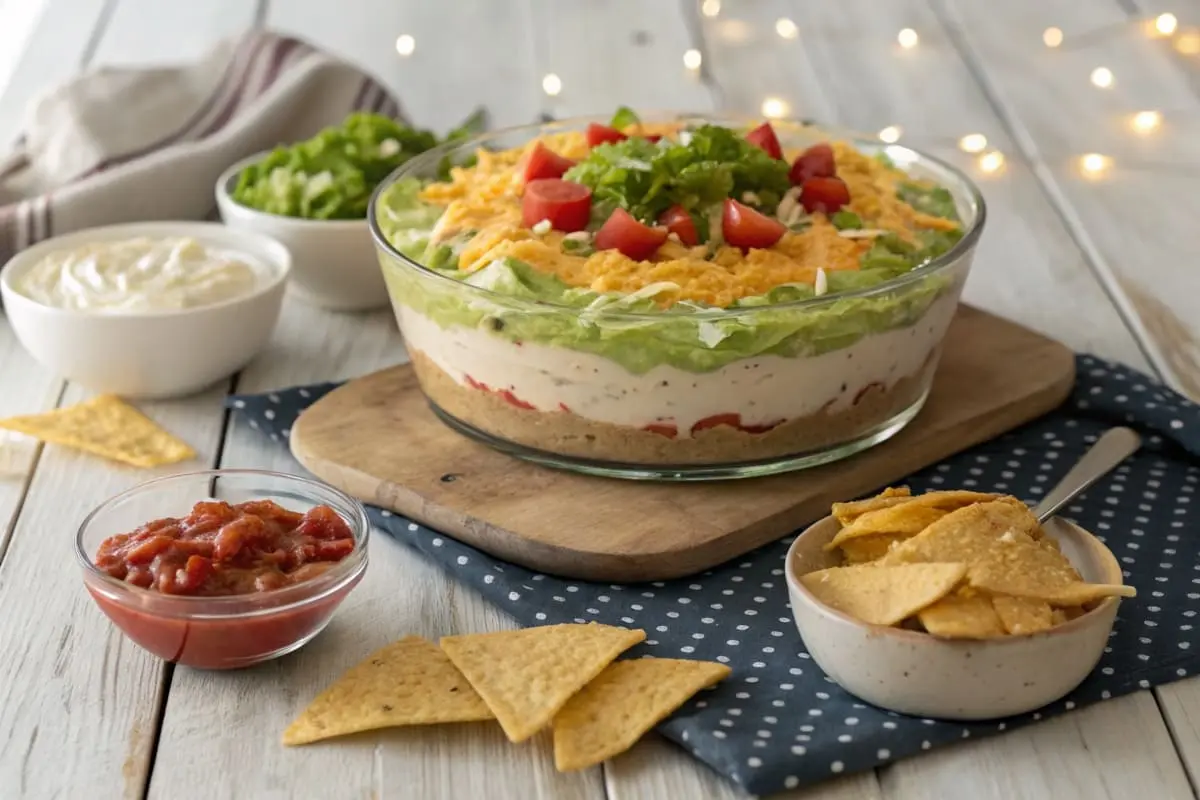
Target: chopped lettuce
pixel 933 200
pixel 332 175
pixel 646 178
pixel 624 117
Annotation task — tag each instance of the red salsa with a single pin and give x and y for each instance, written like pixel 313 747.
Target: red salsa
pixel 221 549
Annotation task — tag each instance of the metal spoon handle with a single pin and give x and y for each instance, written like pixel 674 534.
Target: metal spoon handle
pixel 1116 445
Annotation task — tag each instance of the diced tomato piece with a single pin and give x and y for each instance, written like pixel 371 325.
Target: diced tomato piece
pixel 335 550
pixel 567 205
pixel 145 552
pixel 824 194
pixel 732 420
pixel 653 138
pixel 545 163
pixel 764 136
pixel 679 222
pixel 761 428
pixel 815 162
pixel 624 233
pixel 602 134
pixel 195 572
pixel 742 226
pixel 513 400
pixel 666 429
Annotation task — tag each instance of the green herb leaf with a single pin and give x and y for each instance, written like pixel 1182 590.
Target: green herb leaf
pixel 624 117
pixel 846 220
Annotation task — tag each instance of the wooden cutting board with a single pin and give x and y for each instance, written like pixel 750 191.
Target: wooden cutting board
pixel 377 439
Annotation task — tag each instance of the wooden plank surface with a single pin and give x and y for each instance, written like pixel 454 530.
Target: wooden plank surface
pixel 465 54
pixel 1134 221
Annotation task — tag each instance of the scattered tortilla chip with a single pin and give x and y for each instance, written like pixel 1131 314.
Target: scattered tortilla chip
pixel 105 426
pixel 1020 615
pixel 865 549
pixel 526 676
pixel 883 595
pixel 409 682
pixel 962 615
pixel 614 711
pixel 906 519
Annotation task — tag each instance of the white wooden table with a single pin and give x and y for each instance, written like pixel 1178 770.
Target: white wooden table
pixel 1105 264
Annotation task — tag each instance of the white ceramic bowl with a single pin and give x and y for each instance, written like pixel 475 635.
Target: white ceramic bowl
pixel 150 355
pixel 914 673
pixel 334 264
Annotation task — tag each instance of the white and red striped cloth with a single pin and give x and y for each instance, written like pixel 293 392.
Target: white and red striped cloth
pixel 125 145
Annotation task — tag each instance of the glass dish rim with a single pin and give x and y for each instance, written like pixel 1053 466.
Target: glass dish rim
pixel 945 261
pixel 258 604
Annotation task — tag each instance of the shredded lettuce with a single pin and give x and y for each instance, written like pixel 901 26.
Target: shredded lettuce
pixel 934 200
pixel 646 178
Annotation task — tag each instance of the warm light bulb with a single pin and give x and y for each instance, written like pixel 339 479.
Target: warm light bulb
pixel 1165 24
pixel 1102 77
pixel 908 38
pixel 1094 164
pixel 786 28
pixel 774 107
pixel 991 162
pixel 973 143
pixel 551 84
pixel 710 8
pixel 1052 37
pixel 890 134
pixel 405 45
pixel 1188 43
pixel 1146 121
pixel 692 59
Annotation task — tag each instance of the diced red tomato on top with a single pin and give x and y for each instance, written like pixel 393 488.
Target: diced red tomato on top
pixel 815 162
pixel 545 163
pixel 744 227
pixel 567 205
pixel 827 195
pixel 602 134
pixel 764 136
pixel 633 239
pixel 678 221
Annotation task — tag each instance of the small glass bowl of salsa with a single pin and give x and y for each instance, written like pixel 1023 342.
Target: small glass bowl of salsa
pixel 221 569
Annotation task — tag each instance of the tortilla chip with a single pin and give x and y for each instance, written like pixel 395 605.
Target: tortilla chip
pixel 1021 615
pixel 848 512
pixel 106 426
pixel 1080 594
pixel 866 549
pixel 409 682
pixel 526 676
pixel 883 595
pixel 947 500
pixel 969 534
pixel 614 711
pixel 907 519
pixel 962 615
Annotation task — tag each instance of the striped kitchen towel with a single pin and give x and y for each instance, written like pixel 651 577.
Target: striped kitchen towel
pixel 123 145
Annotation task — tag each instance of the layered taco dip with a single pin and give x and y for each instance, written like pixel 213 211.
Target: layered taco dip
pixel 690 296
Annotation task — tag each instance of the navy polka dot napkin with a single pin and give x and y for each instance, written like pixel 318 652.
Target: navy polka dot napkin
pixel 777 722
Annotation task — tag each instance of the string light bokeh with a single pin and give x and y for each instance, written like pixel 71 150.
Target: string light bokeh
pixel 1185 40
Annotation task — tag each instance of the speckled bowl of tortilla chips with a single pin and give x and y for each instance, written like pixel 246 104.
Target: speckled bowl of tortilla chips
pixel 967 610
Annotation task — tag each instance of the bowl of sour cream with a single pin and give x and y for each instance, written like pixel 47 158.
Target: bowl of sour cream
pixel 147 310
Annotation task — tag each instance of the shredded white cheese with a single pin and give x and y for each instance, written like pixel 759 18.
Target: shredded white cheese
pixel 542 228
pixel 821 285
pixel 862 233
pixel 577 236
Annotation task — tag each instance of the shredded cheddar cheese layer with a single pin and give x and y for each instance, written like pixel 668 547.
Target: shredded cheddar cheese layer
pixel 486 198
